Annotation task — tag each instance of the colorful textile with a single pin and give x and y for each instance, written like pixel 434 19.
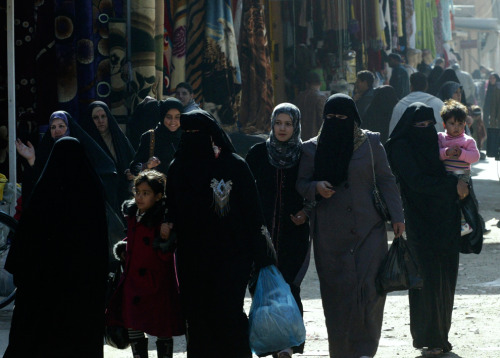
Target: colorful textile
pixel 179 38
pixel 256 77
pixel 194 54
pixel 221 69
pixel 425 12
pixel 446 8
pixel 469 155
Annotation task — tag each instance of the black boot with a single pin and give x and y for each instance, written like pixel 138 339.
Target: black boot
pixel 140 348
pixel 165 348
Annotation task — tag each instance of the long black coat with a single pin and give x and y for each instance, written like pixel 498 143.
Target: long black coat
pixel 432 215
pixel 215 254
pixel 279 200
pixel 59 260
pixel 166 144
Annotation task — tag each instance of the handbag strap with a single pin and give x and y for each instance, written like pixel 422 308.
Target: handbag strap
pixel 373 164
pixel 152 143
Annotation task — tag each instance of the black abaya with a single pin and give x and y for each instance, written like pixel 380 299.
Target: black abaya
pixel 59 260
pixel 432 215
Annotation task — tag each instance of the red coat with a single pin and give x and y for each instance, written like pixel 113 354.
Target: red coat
pixel 147 297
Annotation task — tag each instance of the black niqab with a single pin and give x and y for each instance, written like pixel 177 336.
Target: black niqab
pixel 433 78
pixel 336 140
pixel 424 141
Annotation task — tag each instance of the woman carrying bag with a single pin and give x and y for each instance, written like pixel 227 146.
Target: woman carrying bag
pixel 349 235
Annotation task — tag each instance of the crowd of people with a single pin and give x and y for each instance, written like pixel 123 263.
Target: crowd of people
pixel 202 221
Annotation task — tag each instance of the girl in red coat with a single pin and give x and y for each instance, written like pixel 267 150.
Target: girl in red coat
pixel 147 298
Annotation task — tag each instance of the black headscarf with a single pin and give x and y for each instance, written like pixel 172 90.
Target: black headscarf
pixel 123 149
pixel 168 104
pixel 424 141
pixel 336 140
pixel 146 116
pixel 101 162
pixel 379 112
pixel 447 90
pixel 433 78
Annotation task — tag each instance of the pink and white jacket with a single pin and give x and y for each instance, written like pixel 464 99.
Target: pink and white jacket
pixel 470 153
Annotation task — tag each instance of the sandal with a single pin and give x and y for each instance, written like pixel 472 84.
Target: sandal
pixel 434 352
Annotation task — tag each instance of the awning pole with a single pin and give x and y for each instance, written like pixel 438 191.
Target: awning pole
pixel 11 84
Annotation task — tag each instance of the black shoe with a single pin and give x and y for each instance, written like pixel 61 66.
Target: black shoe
pixel 140 348
pixel 165 348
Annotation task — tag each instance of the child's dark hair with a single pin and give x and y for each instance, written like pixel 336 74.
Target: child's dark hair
pixel 154 179
pixel 454 109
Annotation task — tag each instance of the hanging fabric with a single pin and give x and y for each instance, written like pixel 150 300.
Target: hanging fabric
pixel 438 30
pixel 221 68
pixel 425 12
pixel 257 91
pixel 179 39
pixel 447 9
pixel 195 40
pixel 168 38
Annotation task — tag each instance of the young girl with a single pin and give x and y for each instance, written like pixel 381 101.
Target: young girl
pixel 147 298
pixel 456 149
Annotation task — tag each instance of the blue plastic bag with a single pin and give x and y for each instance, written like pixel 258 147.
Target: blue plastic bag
pixel 275 319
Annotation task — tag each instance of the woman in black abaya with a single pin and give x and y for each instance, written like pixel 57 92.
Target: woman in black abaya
pixel 214 209
pixel 59 260
pixel 432 212
pixel 101 125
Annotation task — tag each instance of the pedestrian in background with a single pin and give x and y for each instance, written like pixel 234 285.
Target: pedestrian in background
pixel 59 261
pixel 432 212
pixel 378 114
pixel 349 235
pixel 157 147
pixel 363 91
pixel 275 165
pixel 147 298
pixel 184 93
pixel 310 103
pixel 102 126
pixel 492 102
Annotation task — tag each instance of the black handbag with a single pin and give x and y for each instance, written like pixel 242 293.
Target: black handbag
pixel 473 242
pixel 399 270
pixel 378 199
pixel 115 336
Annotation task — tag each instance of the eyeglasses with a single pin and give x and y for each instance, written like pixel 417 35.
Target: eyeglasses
pixel 333 115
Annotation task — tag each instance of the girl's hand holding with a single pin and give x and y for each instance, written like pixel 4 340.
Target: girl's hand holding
pixel 324 189
pixel 165 230
pixel 299 218
pixel 26 151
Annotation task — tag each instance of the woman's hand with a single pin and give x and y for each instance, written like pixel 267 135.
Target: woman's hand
pixel 165 230
pixel 324 189
pixel 299 218
pixel 26 151
pixel 153 162
pixel 129 174
pixel 399 229
pixel 462 189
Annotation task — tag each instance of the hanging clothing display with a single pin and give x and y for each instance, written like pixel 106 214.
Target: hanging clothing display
pixel 438 30
pixel 221 68
pixel 194 54
pixel 179 38
pixel 425 12
pixel 257 91
pixel 447 8
pixel 168 33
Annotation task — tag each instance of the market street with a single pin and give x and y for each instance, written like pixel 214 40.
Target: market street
pixel 475 327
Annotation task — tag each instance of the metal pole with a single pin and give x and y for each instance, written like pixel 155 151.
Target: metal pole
pixel 11 84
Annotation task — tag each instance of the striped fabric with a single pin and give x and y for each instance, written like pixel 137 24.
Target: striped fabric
pixel 452 165
pixel 195 45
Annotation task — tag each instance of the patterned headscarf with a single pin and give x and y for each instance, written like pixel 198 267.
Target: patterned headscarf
pixel 285 154
pixel 63 116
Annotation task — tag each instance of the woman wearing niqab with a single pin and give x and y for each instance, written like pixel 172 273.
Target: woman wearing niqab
pixel 275 165
pixel 213 204
pixel 59 261
pixel 432 213
pixel 112 141
pixel 349 236
pixel 379 112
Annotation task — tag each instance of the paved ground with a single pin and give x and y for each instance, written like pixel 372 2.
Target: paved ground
pixel 476 320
